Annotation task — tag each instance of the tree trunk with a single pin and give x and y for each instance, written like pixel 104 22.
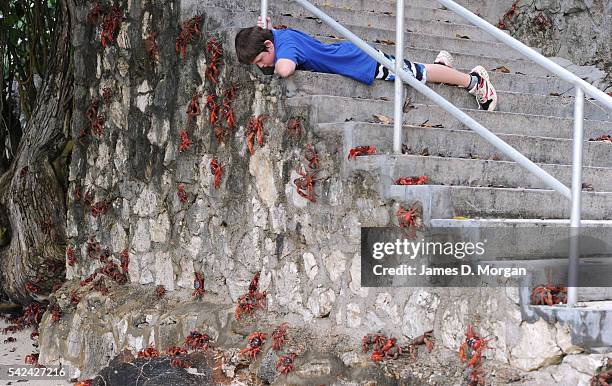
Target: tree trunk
pixel 33 189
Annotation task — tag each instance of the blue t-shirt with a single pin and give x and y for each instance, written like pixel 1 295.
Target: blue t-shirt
pixel 310 54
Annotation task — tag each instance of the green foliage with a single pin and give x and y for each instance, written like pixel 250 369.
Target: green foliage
pixel 27 29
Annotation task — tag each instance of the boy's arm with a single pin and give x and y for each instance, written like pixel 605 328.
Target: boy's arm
pixel 284 67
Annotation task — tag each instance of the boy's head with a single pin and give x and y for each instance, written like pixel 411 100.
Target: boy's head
pixel 255 45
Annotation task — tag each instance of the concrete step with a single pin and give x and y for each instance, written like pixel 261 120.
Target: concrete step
pixel 534 104
pixel 475 172
pixel 280 7
pixel 324 109
pixel 426 39
pixel 373 26
pixel 306 82
pixel 452 201
pixel 467 144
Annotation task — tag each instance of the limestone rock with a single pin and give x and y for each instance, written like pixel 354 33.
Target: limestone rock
pixel 262 168
pixel 321 302
pixel 536 348
pixel 335 264
pixel 310 265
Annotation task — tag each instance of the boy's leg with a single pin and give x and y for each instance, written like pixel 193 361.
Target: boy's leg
pixel 438 73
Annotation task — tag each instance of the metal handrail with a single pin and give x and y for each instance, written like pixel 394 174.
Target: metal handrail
pixel 581 87
pixel 540 59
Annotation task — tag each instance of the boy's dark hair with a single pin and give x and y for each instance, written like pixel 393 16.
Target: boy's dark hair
pixel 250 43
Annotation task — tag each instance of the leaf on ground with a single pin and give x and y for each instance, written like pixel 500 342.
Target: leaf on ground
pixel 587 187
pixel 462 36
pixel 427 124
pixel 425 152
pixel 502 69
pixel 554 94
pixel 460 218
pixel 407 105
pixel 379 118
pixel 387 42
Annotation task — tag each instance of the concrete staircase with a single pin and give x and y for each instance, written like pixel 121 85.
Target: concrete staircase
pixel 468 177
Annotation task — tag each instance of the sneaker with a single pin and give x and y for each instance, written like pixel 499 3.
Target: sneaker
pixel 445 59
pixel 485 93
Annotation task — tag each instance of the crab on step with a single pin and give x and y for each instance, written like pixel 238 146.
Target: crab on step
pixel 361 150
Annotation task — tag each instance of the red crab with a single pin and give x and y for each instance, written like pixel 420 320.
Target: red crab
pixel 160 291
pixel 110 23
pixel 294 128
pixel 305 184
pixel 409 220
pixel 107 94
pixel 227 112
pixel 71 258
pixel 473 347
pixel 32 288
pixel 151 46
pixel 95 12
pixel 278 336
pixel 549 295
pixel 255 341
pixel 216 50
pixel 86 382
pixel 198 341
pixel 361 150
pixel 212 107
pixel 93 247
pixel 189 29
pixel 193 108
pixel 219 133
pixel 285 363
pixel 149 352
pixel 311 156
pixel 88 279
pixel 56 313
pixel 182 195
pixel 425 339
pixel 217 170
pixel 185 142
pixel 124 259
pixel 255 130
pixel 420 180
pixel 99 208
pixel 175 351
pixel 251 300
pixel 376 341
pixel 198 285
pixel 31 359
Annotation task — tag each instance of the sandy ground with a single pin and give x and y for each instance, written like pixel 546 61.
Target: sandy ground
pixel 14 354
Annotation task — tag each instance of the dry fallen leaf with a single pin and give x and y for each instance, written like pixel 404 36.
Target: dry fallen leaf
pixel 462 36
pixel 427 124
pixel 382 119
pixel 502 69
pixel 460 218
pixel 407 105
pixel 387 42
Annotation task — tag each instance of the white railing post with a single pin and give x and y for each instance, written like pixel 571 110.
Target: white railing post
pixel 264 13
pixel 398 115
pixel 572 280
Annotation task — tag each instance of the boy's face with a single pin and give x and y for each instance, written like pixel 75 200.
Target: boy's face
pixel 266 58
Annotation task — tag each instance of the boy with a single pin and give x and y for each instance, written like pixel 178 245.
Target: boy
pixel 287 50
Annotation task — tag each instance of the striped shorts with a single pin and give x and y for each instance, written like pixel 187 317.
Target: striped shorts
pixel 416 69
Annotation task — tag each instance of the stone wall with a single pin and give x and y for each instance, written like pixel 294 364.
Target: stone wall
pixel 307 252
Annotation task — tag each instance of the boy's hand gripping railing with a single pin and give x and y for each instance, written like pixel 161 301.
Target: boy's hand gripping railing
pixel 581 87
